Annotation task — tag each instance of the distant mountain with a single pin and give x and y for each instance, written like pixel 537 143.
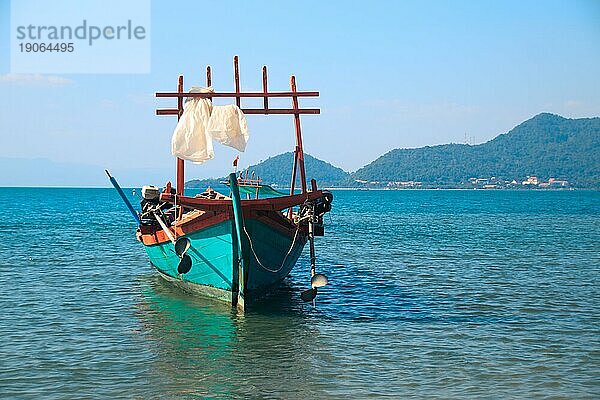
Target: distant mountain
pixel 44 172
pixel 546 146
pixel 277 171
pixel 41 172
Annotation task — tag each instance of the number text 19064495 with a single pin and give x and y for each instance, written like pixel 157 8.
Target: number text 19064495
pixel 46 47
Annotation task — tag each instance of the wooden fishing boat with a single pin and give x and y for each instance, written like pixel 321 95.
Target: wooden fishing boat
pixel 224 246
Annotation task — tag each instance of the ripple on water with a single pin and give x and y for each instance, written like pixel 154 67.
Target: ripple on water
pixel 432 294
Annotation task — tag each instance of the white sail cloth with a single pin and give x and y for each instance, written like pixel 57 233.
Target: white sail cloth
pixel 191 140
pixel 201 122
pixel 227 125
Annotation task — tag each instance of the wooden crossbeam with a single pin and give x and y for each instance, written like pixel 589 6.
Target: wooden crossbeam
pixel 240 94
pixel 313 111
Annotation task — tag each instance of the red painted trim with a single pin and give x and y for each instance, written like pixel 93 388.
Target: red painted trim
pixel 271 204
pixel 154 235
pixel 281 224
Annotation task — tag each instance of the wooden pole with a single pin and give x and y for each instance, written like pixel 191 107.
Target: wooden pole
pixel 242 248
pixel 294 167
pixel 236 71
pixel 293 184
pixel 208 79
pixel 265 90
pixel 299 150
pixel 180 164
pixel 125 199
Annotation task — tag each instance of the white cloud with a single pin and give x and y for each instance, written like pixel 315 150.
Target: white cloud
pixel 573 104
pixel 34 79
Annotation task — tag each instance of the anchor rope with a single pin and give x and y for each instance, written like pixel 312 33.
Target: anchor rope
pixel 284 259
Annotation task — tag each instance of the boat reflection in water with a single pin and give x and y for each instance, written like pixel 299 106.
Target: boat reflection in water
pixel 204 348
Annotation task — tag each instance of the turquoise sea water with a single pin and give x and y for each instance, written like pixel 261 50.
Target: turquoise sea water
pixel 433 294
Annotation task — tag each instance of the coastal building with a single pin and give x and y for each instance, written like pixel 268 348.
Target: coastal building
pixel 405 184
pixel 531 180
pixel 554 184
pixel 557 183
pixel 479 181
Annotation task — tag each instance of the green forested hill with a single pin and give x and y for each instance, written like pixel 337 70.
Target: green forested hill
pixel 547 146
pixel 278 170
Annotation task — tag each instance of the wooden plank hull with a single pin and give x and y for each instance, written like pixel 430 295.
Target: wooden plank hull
pixel 273 252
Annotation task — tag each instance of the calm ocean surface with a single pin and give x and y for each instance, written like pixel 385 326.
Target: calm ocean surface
pixel 433 294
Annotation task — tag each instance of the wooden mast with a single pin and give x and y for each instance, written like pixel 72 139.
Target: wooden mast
pixel 265 89
pixel 180 165
pixel 208 79
pixel 236 75
pixel 298 152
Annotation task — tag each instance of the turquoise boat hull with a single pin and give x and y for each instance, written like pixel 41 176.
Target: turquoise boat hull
pixel 271 255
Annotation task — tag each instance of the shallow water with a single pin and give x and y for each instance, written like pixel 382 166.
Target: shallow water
pixel 436 294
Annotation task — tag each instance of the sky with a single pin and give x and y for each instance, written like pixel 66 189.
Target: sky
pixel 392 74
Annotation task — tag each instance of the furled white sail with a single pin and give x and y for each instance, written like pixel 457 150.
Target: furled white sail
pixel 227 125
pixel 191 140
pixel 201 122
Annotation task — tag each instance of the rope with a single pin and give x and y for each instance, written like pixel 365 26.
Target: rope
pixel 176 212
pixel 285 258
